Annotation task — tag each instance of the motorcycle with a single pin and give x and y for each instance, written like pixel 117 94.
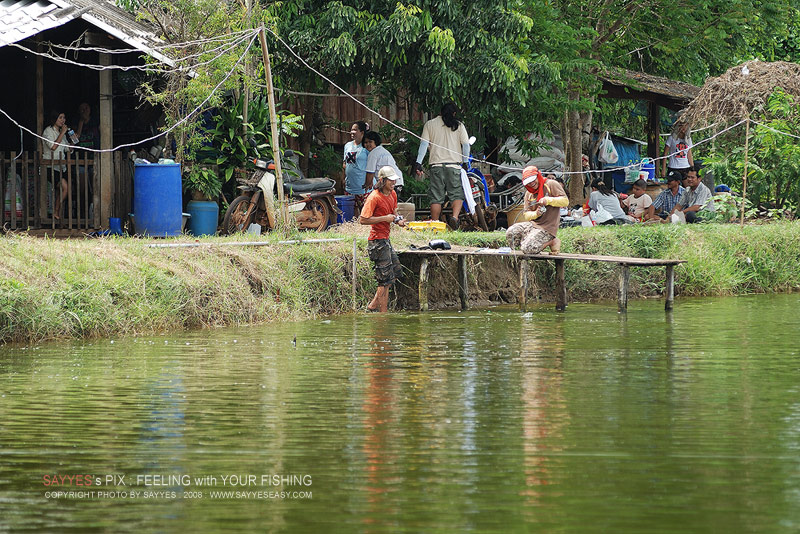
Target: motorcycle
pixel 310 200
pixel 484 216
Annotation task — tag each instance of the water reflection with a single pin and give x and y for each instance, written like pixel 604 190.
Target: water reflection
pixel 487 421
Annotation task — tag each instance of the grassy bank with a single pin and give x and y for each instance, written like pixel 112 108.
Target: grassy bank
pixel 79 288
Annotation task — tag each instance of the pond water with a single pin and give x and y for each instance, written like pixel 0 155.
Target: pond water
pixel 484 421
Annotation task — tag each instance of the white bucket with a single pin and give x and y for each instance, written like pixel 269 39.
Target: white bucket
pixel 254 229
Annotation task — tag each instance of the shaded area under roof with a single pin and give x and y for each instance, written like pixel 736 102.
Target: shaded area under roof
pixel 628 84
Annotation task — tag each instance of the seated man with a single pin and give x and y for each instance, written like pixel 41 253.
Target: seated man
pixel 638 202
pixel 696 202
pixel 667 199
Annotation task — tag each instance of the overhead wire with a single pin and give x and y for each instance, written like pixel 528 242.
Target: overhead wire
pixel 161 134
pixel 230 41
pixel 221 50
pixel 491 164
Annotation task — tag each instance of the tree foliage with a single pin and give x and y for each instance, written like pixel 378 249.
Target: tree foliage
pixel 773 163
pixel 513 66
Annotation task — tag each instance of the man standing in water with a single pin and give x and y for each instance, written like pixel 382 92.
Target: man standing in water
pixel 380 211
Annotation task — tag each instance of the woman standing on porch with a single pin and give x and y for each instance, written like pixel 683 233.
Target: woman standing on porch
pixel 53 149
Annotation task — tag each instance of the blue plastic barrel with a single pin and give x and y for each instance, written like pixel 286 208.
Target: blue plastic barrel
pixel 650 167
pixel 157 199
pixel 204 217
pixel 347 204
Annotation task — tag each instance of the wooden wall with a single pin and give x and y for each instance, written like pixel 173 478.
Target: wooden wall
pixel 341 111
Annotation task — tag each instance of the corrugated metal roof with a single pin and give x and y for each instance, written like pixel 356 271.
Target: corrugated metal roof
pixel 23 18
pixel 20 19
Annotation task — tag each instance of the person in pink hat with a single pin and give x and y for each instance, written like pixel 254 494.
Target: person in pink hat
pixel 541 213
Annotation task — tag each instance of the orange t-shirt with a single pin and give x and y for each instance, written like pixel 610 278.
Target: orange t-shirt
pixel 377 205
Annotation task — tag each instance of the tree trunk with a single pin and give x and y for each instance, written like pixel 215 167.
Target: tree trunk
pixel 575 190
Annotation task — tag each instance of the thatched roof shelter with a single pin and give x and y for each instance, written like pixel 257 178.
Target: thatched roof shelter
pixel 667 93
pixel 741 91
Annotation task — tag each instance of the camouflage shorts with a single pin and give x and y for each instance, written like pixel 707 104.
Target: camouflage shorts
pixel 387 265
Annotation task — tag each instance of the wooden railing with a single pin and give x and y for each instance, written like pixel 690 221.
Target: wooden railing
pixel 28 195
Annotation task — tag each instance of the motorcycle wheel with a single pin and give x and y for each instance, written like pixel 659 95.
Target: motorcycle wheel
pixel 321 215
pixel 480 217
pixel 236 218
pixel 490 214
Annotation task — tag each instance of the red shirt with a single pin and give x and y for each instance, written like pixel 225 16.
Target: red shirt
pixel 377 205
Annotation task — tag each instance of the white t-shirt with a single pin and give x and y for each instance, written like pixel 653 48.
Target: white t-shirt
pixel 636 206
pixel 682 147
pixel 60 152
pixel 440 136
pixel 379 157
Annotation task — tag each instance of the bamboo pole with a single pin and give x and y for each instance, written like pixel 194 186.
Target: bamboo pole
pixel 355 272
pixel 744 178
pixel 273 119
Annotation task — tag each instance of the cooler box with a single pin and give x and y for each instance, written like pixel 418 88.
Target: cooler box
pixel 434 226
pixel 407 210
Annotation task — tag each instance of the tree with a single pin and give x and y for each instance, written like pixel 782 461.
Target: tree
pixel 489 57
pixel 681 39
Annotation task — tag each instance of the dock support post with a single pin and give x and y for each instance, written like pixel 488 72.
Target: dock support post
pixel 622 290
pixel 561 287
pixel 670 287
pixel 462 281
pixel 523 285
pixel 423 285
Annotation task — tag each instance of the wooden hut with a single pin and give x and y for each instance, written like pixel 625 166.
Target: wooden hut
pixel 657 91
pixel 31 33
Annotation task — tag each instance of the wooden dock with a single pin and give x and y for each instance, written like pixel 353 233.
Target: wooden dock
pixel 462 253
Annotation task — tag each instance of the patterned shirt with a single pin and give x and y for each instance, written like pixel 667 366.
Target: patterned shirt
pixel 701 196
pixel 666 201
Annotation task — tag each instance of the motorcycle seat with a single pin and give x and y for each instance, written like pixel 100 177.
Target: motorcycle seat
pixel 308 185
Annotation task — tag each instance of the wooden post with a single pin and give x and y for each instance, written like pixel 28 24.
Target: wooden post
pixel 68 215
pixel 653 129
pixel 670 290
pixel 273 120
pixel 744 179
pixel 2 186
pixel 561 286
pixel 103 180
pixel 524 267
pixel 26 208
pixel 355 277
pixel 423 285
pixel 41 175
pixel 622 290
pixel 12 189
pixel 462 281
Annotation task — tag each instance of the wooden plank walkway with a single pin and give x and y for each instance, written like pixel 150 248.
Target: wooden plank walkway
pixel 462 253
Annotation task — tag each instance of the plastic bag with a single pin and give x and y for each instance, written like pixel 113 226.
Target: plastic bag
pixel 607 151
pixel 601 215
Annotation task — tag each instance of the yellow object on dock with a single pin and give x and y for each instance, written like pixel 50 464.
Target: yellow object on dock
pixel 436 226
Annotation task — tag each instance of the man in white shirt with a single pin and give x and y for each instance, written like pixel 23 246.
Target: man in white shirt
pixel 379 157
pixel 449 144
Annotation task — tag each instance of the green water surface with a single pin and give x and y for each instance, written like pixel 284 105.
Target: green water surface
pixel 484 421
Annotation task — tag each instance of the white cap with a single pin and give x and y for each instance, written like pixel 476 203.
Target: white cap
pixel 529 180
pixel 388 173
